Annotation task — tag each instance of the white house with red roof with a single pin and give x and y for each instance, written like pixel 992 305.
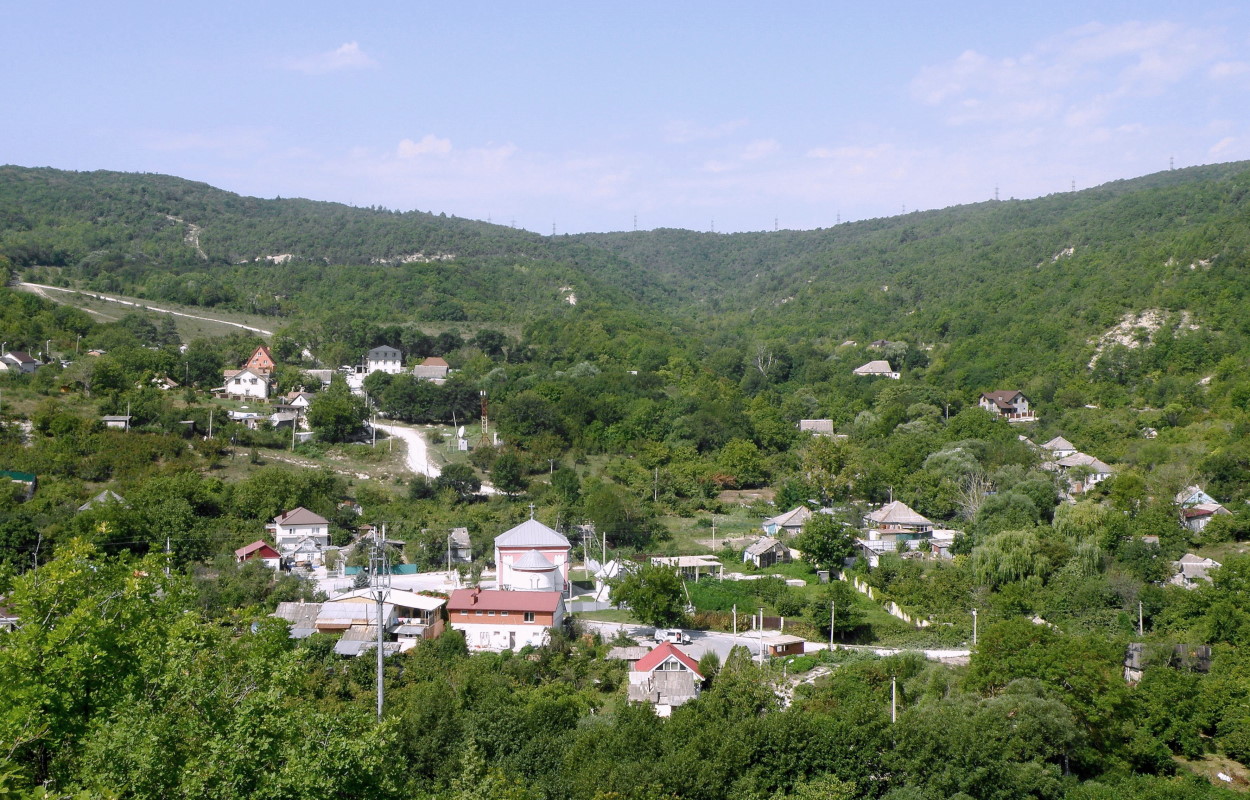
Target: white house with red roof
pixel 259 550
pixel 666 677
pixel 495 620
pixel 517 558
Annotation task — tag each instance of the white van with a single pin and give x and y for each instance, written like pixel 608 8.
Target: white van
pixel 673 635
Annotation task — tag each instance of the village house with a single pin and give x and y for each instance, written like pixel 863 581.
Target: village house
pixel 301 536
pixel 384 358
pixel 261 551
pixel 27 481
pixel 245 384
pixel 103 498
pixel 8 618
pixel 877 369
pixel 118 422
pixel 407 618
pixel 460 546
pixel 766 552
pixel 300 400
pixel 1192 569
pixel 19 362
pixel 431 369
pixel 261 362
pixel 1089 470
pixel 1009 404
pixel 816 427
pixel 521 544
pixel 666 678
pixel 1197 508
pixel 894 527
pixel 301 615
pixel 789 523
pixel 1059 447
pixel 496 620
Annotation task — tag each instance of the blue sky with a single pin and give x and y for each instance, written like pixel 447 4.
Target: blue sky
pixel 741 116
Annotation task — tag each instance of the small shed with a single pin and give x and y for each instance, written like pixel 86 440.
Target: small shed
pixel 783 644
pixel 767 552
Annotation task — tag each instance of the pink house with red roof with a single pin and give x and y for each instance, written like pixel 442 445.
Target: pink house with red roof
pixel 666 678
pixel 496 620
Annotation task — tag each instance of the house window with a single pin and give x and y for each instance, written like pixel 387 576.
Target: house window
pixel 477 613
pixel 503 613
pixel 490 613
pixel 529 616
pixel 464 613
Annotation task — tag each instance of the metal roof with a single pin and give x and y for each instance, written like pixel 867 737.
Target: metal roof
pixel 531 533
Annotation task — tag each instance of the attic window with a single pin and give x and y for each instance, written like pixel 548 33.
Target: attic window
pixel 529 616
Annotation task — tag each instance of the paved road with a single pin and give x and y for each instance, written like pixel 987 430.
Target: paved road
pixel 700 641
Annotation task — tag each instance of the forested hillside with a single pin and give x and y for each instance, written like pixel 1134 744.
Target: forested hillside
pixel 648 392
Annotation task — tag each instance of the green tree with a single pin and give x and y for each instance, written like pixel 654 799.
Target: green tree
pixel 653 593
pixel 336 414
pixel 508 474
pixel 826 541
pixel 461 479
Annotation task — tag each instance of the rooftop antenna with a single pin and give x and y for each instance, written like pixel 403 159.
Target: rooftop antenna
pixel 775 228
pixel 996 193
pixel 380 572
pixel 1171 163
pixel 635 222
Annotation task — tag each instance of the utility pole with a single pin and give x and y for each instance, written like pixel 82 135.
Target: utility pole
pixel 210 422
pixel 974 627
pixel 655 487
pixel 1140 631
pixel 761 634
pixel 833 621
pixel 381 590
pixel 893 699
pixel 713 533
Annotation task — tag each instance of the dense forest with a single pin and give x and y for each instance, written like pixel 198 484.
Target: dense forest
pixel 649 385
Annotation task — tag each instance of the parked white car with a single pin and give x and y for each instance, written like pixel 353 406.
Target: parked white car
pixel 672 635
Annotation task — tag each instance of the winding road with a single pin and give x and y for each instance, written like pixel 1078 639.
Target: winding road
pixel 417 454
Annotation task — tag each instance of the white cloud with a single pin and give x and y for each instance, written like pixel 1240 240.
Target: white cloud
pixel 1222 147
pixel 346 57
pixel 760 148
pixel 1078 75
pixel 1228 69
pixel 429 145
pixel 684 132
